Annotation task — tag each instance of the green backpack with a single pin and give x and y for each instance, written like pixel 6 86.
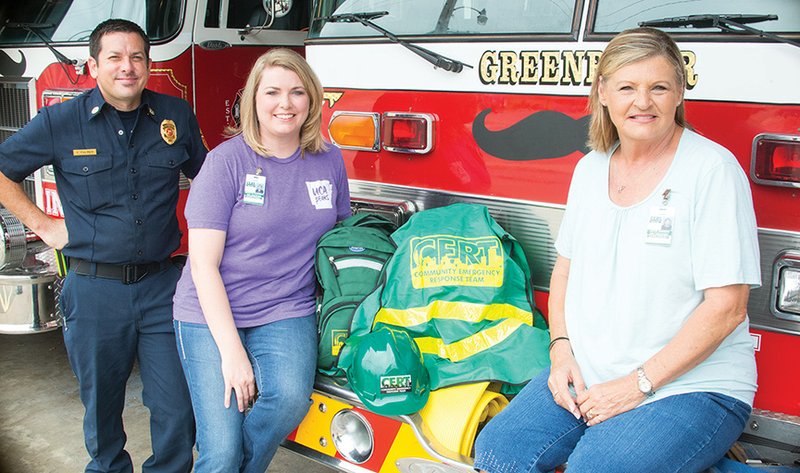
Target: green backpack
pixel 348 262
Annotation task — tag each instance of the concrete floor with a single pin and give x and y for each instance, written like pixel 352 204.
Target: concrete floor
pixel 41 413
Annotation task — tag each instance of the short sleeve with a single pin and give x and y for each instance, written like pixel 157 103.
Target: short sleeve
pixel 196 148
pixel 28 149
pixel 566 230
pixel 724 233
pixel 343 185
pixel 213 193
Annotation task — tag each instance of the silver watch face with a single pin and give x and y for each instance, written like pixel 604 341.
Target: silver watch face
pixel 645 385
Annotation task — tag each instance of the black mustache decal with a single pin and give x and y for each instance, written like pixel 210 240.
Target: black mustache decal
pixel 10 67
pixel 543 135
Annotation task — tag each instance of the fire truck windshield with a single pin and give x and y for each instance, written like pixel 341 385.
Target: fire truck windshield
pixel 614 16
pixel 449 17
pixel 25 22
pixel 549 17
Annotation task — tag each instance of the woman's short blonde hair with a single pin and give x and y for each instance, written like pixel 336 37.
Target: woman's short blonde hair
pixel 626 48
pixel 311 132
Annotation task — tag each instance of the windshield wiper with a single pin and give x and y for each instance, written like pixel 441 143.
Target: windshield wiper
pixel 36 28
pixel 365 18
pixel 727 23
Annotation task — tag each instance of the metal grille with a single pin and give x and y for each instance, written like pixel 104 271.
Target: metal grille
pixel 14 107
pixel 29 186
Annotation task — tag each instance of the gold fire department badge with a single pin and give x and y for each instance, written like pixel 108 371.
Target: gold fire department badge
pixel 168 131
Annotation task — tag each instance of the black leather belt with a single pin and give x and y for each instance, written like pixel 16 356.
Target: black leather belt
pixel 127 273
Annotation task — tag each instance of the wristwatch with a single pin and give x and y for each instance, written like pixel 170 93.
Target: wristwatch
pixel 645 385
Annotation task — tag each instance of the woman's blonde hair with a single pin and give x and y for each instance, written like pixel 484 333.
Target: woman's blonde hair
pixel 310 133
pixel 626 48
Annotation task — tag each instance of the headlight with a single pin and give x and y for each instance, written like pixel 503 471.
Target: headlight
pixel 786 286
pixel 789 291
pixel 352 436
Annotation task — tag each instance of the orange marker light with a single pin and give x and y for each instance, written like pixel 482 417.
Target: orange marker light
pixel 354 130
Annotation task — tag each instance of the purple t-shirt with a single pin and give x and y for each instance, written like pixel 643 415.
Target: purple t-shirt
pixel 268 262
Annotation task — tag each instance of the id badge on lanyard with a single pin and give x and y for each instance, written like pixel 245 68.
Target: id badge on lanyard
pixel 661 221
pixel 255 188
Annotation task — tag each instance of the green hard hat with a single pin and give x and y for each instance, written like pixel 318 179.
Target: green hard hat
pixel 385 370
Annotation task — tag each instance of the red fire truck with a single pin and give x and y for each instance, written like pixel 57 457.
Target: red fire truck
pixel 442 101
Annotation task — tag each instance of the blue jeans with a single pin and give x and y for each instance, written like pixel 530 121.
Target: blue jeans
pixel 284 356
pixel 682 433
pixel 107 325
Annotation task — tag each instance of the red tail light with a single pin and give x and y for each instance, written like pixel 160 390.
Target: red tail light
pixel 51 97
pixel 47 101
pixel 407 132
pixel 776 160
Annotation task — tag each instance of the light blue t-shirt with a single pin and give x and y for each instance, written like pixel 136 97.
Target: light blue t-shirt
pixel 628 295
pixel 267 265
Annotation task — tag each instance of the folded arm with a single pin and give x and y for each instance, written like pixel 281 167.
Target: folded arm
pixel 722 310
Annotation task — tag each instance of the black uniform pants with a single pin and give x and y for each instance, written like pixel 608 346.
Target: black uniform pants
pixel 108 325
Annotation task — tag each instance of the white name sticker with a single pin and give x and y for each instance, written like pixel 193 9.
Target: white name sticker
pixel 321 194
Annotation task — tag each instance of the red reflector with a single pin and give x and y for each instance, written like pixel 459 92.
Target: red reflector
pixel 50 100
pixel 407 133
pixel 777 160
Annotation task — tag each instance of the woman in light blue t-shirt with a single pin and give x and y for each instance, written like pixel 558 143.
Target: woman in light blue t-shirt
pixel 652 367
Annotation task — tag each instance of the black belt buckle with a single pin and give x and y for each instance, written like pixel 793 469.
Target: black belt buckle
pixel 132 273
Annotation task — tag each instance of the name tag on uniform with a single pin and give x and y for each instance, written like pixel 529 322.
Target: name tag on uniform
pixel 84 152
pixel 659 226
pixel 254 189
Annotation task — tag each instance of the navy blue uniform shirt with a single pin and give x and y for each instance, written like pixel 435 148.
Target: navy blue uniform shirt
pixel 118 188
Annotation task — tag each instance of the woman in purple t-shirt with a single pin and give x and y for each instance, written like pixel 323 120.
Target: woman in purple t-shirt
pixel 244 308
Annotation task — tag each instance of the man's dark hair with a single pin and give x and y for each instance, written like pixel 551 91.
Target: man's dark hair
pixel 116 25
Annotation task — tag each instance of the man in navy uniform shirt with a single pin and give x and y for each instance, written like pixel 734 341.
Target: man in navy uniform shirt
pixel 117 151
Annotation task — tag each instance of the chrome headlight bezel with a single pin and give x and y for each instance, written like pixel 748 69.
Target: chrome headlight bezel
pixel 352 436
pixel 785 303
